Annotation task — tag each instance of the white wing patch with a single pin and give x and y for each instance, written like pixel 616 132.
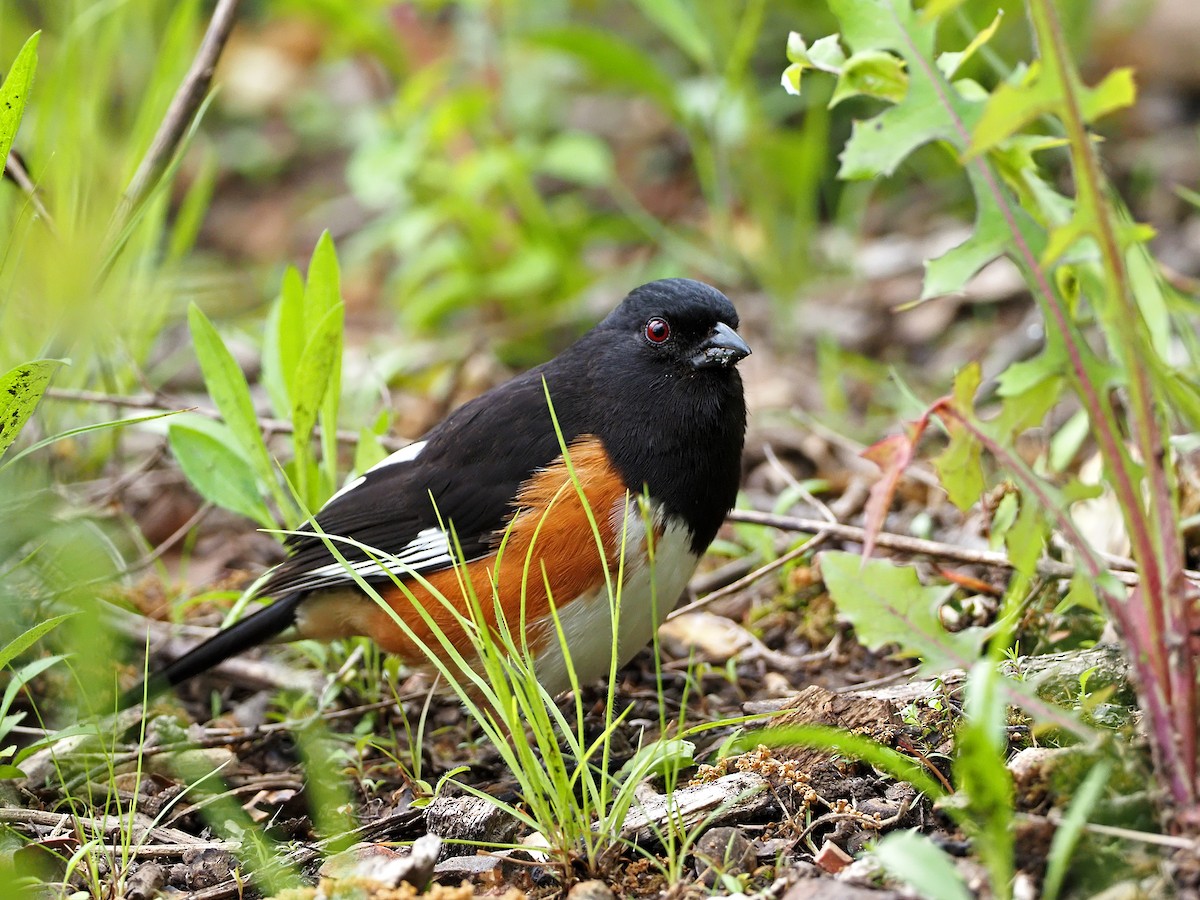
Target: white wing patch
pixel 430 549
pixel 403 455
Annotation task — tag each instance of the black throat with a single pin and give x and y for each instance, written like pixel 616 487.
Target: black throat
pixel 680 438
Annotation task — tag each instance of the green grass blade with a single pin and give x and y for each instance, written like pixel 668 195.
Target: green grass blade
pixel 919 863
pixel 23 642
pixel 1062 845
pixel 83 429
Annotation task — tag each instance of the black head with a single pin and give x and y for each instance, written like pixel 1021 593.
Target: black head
pixel 677 323
pixel 665 397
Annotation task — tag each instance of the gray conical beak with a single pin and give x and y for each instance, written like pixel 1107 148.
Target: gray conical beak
pixel 724 347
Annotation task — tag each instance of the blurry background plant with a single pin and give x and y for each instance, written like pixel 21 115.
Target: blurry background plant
pixel 505 171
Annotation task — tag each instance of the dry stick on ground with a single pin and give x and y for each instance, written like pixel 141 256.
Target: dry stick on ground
pixel 152 403
pixel 1123 570
pixel 15 169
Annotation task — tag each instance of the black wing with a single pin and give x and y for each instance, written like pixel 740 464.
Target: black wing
pixel 464 475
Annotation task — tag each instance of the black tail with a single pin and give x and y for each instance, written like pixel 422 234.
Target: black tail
pixel 249 632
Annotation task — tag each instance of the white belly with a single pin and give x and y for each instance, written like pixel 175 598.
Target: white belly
pixel 647 594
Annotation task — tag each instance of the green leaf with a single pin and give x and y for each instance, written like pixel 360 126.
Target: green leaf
pixel 287 338
pixel 15 92
pixel 1069 830
pixel 1019 377
pixel 1020 412
pixel 1145 283
pixel 1026 538
pixel 872 73
pixel 983 779
pixel 887 604
pixel 21 677
pixel 577 157
pixel 227 386
pixel 917 861
pixel 676 21
pixel 326 318
pixel 616 63
pixel 949 63
pixel 825 55
pixel 1013 106
pixel 21 389
pixel 316 370
pixel 960 465
pixel 206 453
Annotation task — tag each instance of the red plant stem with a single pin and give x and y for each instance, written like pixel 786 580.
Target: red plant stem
pixel 1168 680
pixel 1163 592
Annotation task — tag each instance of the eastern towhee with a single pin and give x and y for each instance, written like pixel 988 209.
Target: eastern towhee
pixel 648 402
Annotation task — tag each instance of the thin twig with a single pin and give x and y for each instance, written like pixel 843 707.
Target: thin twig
pixel 180 114
pixel 800 489
pixel 152 403
pixel 1122 569
pixel 747 580
pixel 14 168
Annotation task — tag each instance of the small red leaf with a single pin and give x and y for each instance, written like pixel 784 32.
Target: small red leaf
pixel 892 455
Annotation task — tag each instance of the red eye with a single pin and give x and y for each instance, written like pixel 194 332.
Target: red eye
pixel 657 330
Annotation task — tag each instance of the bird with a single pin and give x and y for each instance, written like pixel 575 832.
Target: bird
pixel 650 410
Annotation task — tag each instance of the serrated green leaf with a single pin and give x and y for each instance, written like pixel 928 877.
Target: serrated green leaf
pixel 960 465
pixel 1026 538
pixel 1013 106
pixel 1010 108
pixel 887 604
pixel 871 73
pixel 15 92
pixel 950 62
pixel 1069 438
pixel 1020 412
pixel 951 271
pixel 960 469
pixel 21 389
pixel 1021 376
pixel 1116 91
pixel 216 470
pixel 878 146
